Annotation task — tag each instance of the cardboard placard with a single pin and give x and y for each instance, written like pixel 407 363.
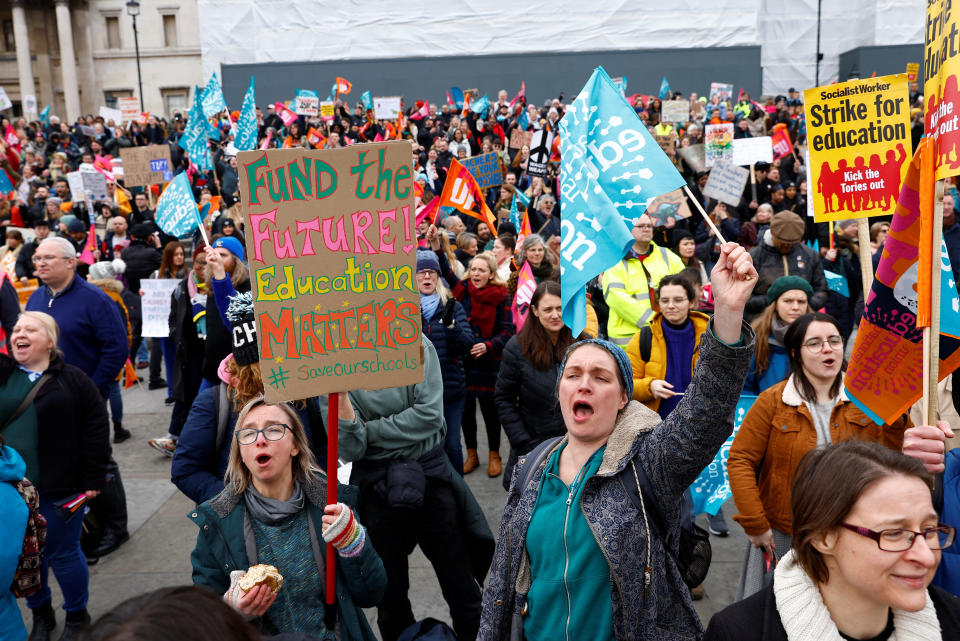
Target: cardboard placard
pixel 722 89
pixel 673 111
pixel 485 168
pixel 694 156
pixel 726 183
pixel 672 204
pixel 519 138
pixel 155 303
pixel 750 151
pixel 95 183
pixel 540 147
pixel 129 108
pixel 75 180
pixel 331 244
pixel 386 107
pixel 718 143
pixel 698 110
pixel 668 143
pixel 307 103
pixel 109 115
pixel 143 166
pixel 858 133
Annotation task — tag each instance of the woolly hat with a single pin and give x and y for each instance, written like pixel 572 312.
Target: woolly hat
pixel 427 260
pixel 678 235
pixel 107 269
pixel 56 200
pixel 243 321
pixel 232 245
pixel 66 218
pixel 619 356
pixel 141 231
pixel 76 225
pixel 787 227
pixel 785 284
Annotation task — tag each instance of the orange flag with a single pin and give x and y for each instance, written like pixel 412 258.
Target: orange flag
pixel 343 85
pixel 315 138
pixel 129 375
pixel 925 244
pixel 461 192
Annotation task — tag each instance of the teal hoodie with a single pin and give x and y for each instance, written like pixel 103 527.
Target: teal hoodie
pixel 397 422
pixel 12 527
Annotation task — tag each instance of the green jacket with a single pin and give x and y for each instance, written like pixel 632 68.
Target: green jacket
pixel 397 422
pixel 220 549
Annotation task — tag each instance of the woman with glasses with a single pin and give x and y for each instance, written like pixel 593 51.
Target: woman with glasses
pixel 809 410
pixel 274 511
pixel 867 542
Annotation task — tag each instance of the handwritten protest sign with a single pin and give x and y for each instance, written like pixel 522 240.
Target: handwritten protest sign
pixel 95 183
pixel 519 138
pixel 485 168
pixel 307 103
pixel 672 204
pixel 726 183
pixel 332 250
pixel 155 303
pixel 750 151
pixel 150 165
pixel 386 107
pixel 75 181
pixel 668 143
pixel 5 102
pixel 129 108
pixel 859 136
pixel 718 143
pixel 721 89
pixel 675 111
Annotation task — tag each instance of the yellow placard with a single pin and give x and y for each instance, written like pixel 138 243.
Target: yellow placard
pixel 858 133
pixel 941 68
pixel 913 70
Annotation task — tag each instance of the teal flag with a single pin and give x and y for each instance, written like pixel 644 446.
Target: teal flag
pixel 366 100
pixel 246 138
pixel 480 105
pixel 194 139
pixel 837 283
pixel 515 213
pixel 664 89
pixel 212 100
pixel 45 116
pixel 177 212
pixel 712 488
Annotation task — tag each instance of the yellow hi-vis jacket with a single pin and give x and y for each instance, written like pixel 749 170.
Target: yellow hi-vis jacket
pixel 627 293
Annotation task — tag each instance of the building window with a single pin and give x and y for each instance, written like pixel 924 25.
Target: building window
pixel 170 30
pixel 175 100
pixel 110 97
pixel 9 44
pixel 113 32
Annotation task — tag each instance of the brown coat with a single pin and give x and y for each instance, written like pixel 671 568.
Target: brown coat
pixel 776 433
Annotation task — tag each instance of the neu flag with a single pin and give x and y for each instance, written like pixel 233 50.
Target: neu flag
pixel 212 99
pixel 480 105
pixel 515 215
pixel 366 100
pixel 712 488
pixel 611 168
pixel 194 139
pixel 457 94
pixel 664 89
pixel 460 191
pixel 526 285
pixel 246 138
pixel 45 116
pixel 886 366
pixel 177 212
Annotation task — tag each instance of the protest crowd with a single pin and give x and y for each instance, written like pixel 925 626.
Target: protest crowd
pixel 599 438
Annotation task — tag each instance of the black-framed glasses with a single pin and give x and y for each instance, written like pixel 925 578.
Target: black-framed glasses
pixel 272 432
pixel 835 342
pixel 901 540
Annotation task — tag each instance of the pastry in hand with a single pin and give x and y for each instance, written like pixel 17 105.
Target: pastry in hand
pixel 261 574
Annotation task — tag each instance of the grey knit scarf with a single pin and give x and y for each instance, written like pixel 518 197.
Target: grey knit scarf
pixel 271 511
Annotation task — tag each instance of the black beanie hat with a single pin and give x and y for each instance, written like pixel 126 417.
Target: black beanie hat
pixel 243 321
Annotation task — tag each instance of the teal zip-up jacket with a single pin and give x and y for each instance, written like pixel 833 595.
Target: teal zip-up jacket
pixel 221 548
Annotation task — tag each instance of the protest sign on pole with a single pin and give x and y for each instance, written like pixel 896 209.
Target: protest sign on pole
pixel 386 107
pixel 5 102
pixel 94 183
pixel 750 151
pixel 675 111
pixel 781 143
pixel 485 168
pixel 327 111
pixel 129 108
pixel 913 70
pixel 75 181
pixel 540 145
pixel 156 305
pixel 114 115
pixel 718 143
pixel 30 105
pixel 150 165
pixel 722 89
pixel 726 183
pixel 334 288
pixel 307 103
pixel 858 133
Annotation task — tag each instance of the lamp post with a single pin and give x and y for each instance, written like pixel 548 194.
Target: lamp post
pixel 133 10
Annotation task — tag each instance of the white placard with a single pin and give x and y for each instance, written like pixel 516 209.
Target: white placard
pixel 30 105
pixel 675 111
pixel 386 108
pixel 129 108
pixel 750 151
pixel 109 114
pixel 75 180
pixel 4 100
pixel 726 183
pixel 156 305
pixel 306 105
pixel 95 183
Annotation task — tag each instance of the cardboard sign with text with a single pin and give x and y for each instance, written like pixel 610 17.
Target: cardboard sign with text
pixel 718 141
pixel 386 107
pixel 155 305
pixel 129 108
pixel 519 138
pixel 331 245
pixel 672 204
pixel 485 168
pixel 143 166
pixel 750 151
pixel 726 183
pixel 858 133
pixel 675 111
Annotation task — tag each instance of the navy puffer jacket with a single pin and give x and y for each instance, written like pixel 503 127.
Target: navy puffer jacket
pixel 452 343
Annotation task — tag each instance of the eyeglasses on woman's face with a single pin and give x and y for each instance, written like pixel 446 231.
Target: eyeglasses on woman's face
pixel 901 540
pixel 273 432
pixel 815 344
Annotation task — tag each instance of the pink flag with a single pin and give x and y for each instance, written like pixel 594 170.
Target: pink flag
pixel 287 116
pixel 11 137
pixel 86 255
pixel 378 138
pixel 428 212
pixel 266 143
pixel 526 285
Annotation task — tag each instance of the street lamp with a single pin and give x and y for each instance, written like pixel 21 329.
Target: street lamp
pixel 133 10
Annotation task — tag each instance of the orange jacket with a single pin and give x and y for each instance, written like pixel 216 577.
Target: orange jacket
pixel 645 373
pixel 776 433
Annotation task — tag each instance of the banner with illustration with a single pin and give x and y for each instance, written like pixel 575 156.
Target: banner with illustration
pixel 858 134
pixel 331 244
pixel 718 143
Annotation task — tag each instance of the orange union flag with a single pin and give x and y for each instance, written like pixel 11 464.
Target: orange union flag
pixel 461 192
pixel 343 85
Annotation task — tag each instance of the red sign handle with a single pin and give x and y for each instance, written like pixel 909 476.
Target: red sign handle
pixel 333 414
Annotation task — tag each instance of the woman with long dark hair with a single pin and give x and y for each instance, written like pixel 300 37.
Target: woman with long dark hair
pixel 172 265
pixel 524 394
pixel 808 410
pixel 789 299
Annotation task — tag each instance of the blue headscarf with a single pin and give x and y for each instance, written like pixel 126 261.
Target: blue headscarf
pixel 619 356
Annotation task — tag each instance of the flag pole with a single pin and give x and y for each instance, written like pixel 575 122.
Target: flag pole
pixel 866 255
pixel 710 222
pixel 931 334
pixel 333 417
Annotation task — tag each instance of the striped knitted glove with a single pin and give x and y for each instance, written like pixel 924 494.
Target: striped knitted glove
pixel 345 533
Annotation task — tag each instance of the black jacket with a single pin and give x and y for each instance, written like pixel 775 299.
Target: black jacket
pixel 802 261
pixel 142 260
pixel 756 618
pixel 187 344
pixel 74 432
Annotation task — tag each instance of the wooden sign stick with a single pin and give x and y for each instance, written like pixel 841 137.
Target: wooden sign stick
pixel 866 255
pixel 931 334
pixel 707 218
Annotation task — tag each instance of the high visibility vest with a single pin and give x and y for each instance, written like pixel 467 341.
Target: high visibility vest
pixel 628 277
